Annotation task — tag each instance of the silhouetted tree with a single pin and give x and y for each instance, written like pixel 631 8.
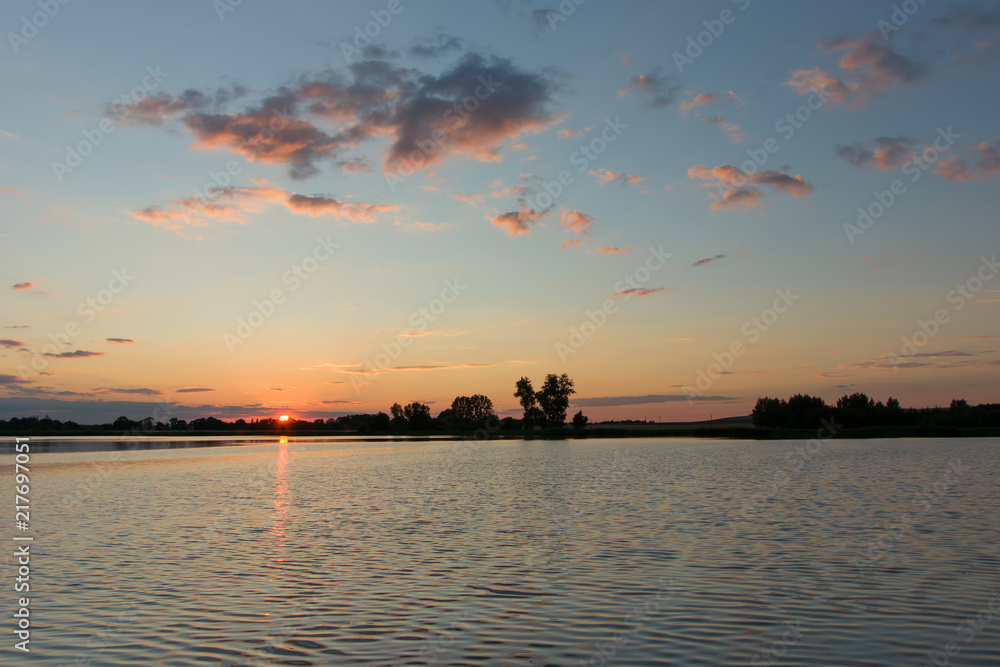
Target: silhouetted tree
pixel 526 395
pixel 580 420
pixel 553 399
pixel 471 409
pixel 380 422
pixel 418 416
pixel 769 413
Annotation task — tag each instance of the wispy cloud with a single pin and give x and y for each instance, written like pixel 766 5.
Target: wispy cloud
pixel 708 260
pixel 638 291
pixel 657 91
pixel 604 176
pixel 78 354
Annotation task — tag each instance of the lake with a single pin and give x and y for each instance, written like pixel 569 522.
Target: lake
pixel 583 552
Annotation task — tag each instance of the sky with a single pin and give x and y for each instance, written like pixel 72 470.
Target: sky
pixel 245 209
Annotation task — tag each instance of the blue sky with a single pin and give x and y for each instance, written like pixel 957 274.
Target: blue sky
pixel 314 134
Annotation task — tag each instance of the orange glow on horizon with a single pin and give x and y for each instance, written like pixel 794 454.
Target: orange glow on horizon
pixel 283 418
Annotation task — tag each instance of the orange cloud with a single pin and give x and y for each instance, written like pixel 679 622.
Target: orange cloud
pixel 613 250
pixel 987 164
pixel 604 177
pixel 233 203
pixel 472 200
pixel 516 223
pixel 869 68
pixel 577 222
pixel 737 187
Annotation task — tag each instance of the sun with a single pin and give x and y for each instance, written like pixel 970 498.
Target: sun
pixel 283 418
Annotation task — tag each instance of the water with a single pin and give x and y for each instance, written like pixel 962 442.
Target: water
pixel 620 552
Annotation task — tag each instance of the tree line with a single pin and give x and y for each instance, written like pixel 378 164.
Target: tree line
pixel 545 409
pixel 858 410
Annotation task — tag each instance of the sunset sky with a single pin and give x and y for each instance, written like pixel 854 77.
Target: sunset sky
pixel 464 190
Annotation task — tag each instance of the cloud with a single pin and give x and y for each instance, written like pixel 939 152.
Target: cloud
pixel 120 341
pixel 986 158
pixel 194 390
pixel 738 189
pixel 613 250
pixel 435 46
pixel 612 401
pixel 472 109
pixel 570 243
pixel 657 91
pixel 9 342
pixel 924 360
pixel 516 223
pixel 708 260
pixel 808 81
pixel 706 99
pixel 969 18
pixel 869 67
pixel 832 375
pixel 233 203
pixel 735 132
pixel 572 133
pixel 11 191
pixel 355 166
pixel 78 354
pixel 471 200
pixel 603 177
pixel 13 380
pixel 23 286
pixel 422 226
pixel 577 222
pixel 142 391
pixel 638 291
pixel 885 153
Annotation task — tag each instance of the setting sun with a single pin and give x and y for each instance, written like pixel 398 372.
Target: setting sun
pixel 283 418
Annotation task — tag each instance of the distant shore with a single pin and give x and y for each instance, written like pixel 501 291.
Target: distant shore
pixel 667 430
